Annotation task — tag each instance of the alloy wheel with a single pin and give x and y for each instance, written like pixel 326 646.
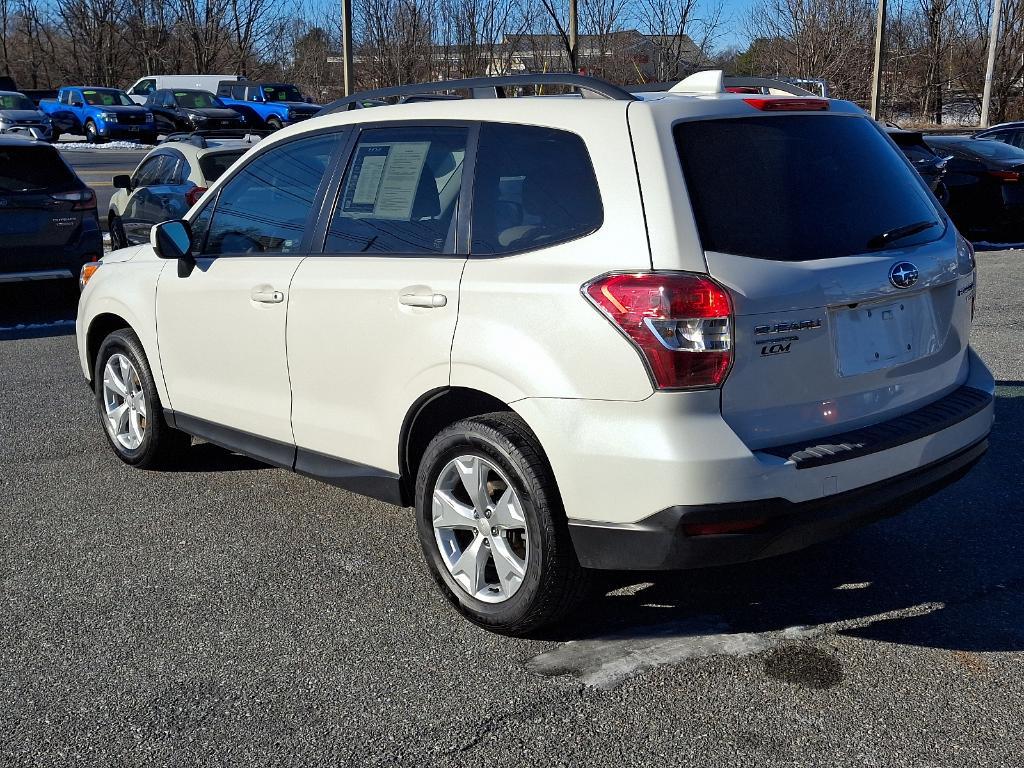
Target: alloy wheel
pixel 480 528
pixel 124 402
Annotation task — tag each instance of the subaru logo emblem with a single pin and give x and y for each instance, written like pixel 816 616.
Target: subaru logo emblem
pixel 903 274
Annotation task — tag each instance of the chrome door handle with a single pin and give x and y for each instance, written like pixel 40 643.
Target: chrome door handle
pixel 429 300
pixel 266 295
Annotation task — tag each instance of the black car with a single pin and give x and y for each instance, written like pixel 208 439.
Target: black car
pixel 1008 133
pixel 986 192
pixel 48 222
pixel 176 109
pixel 925 160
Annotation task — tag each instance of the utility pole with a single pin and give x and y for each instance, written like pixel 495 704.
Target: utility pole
pixel 990 66
pixel 346 42
pixel 574 33
pixel 876 80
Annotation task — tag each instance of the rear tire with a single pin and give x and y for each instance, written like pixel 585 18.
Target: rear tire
pixel 129 407
pixel 118 238
pixel 517 595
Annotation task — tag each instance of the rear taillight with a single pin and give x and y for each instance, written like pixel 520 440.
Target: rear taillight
pixel 787 104
pixel 1005 175
pixel 193 195
pixel 80 199
pixel 680 323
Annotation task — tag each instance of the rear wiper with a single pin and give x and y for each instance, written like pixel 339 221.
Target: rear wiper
pixel 900 232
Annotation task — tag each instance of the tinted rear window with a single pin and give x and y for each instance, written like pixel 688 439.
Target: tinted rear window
pixel 213 166
pixel 33 168
pixel 797 187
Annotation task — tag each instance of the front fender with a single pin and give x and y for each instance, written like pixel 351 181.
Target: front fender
pixel 126 290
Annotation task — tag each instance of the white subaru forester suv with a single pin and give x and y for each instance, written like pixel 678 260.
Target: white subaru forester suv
pixel 645 332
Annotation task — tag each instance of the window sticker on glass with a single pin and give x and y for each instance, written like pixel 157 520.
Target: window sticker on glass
pixel 384 179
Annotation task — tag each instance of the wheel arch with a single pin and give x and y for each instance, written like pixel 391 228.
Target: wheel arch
pixel 101 326
pixel 431 413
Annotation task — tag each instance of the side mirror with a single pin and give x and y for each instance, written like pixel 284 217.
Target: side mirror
pixel 173 240
pixel 77 104
pixel 123 181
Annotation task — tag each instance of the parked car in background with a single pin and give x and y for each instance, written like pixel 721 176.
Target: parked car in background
pixel 169 181
pixel 270 105
pixel 925 160
pixel 141 88
pixel 573 333
pixel 986 192
pixel 100 114
pixel 48 222
pixel 19 114
pixel 1007 133
pixel 176 110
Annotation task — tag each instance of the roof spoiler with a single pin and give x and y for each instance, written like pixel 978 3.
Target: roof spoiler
pixel 716 81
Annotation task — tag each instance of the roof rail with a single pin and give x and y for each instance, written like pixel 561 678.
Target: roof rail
pixel 198 138
pixel 486 88
pixel 703 82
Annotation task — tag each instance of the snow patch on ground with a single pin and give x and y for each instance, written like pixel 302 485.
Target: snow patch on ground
pixel 81 146
pixel 984 246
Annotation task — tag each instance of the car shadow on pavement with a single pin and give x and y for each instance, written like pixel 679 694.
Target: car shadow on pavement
pixel 207 457
pixel 34 310
pixel 947 573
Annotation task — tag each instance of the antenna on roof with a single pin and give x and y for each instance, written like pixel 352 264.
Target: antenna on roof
pixel 709 81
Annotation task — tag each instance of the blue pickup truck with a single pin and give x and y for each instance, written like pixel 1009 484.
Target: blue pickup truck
pixel 270 105
pixel 99 114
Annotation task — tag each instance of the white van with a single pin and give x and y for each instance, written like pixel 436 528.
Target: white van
pixel 146 85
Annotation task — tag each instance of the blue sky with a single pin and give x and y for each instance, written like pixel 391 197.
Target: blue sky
pixel 734 13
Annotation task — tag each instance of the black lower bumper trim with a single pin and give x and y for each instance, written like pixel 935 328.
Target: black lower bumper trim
pixel 660 543
pixel 942 414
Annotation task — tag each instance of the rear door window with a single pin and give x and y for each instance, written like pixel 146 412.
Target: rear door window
pixel 799 187
pixel 25 169
pixel 534 187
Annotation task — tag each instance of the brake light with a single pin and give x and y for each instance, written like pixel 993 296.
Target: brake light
pixel 1005 175
pixel 193 195
pixel 786 104
pixel 80 199
pixel 680 323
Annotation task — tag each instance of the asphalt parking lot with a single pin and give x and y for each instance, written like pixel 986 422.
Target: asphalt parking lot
pixel 234 614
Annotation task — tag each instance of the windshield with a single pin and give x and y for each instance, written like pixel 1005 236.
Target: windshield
pixel 988 148
pixel 197 100
pixel 107 97
pixel 15 101
pixel 25 169
pixel 282 93
pixel 799 187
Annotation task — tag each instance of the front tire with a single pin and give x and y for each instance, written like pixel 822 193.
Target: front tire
pixel 274 124
pixel 129 406
pixel 92 135
pixel 492 527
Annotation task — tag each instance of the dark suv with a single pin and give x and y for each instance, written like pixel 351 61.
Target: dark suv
pixel 48 222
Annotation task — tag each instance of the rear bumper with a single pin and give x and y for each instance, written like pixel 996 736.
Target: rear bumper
pixel 662 541
pixel 55 262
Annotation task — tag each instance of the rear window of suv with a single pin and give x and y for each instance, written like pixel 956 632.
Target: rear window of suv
pixel 214 164
pixel 25 169
pixel 800 187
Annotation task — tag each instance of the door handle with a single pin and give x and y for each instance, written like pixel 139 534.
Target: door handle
pixel 429 300
pixel 266 295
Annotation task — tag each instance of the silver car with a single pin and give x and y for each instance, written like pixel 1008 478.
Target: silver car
pixel 19 114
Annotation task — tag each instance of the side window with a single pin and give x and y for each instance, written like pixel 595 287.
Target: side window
pixel 534 187
pixel 264 207
pixel 182 171
pixel 149 171
pixel 144 88
pixel 168 171
pixel 238 92
pixel 65 97
pixel 1003 136
pixel 400 191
